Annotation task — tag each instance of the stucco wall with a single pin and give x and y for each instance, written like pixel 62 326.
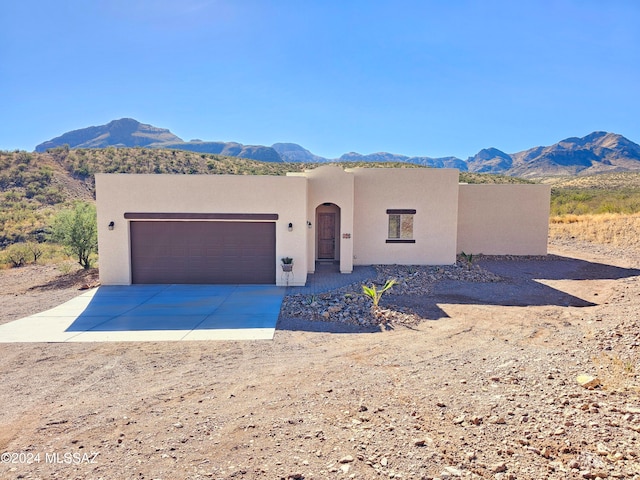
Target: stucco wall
pixel 331 184
pixel 449 218
pixel 118 194
pixel 503 219
pixel 433 193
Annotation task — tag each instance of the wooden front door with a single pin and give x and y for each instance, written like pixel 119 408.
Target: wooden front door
pixel 326 236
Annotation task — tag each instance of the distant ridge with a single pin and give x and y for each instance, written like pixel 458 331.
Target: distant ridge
pixel 230 149
pixel 598 152
pixel 291 152
pixel 445 162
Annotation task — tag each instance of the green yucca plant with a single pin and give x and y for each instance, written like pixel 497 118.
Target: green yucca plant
pixel 374 294
pixel 468 257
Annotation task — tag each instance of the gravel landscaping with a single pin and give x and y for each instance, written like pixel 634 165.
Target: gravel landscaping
pixel 349 305
pixel 509 368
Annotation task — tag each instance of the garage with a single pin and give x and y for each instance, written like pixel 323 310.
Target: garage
pixel 203 252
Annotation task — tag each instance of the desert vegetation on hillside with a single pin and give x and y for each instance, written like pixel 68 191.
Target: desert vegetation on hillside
pixel 604 193
pixel 470 177
pixel 31 191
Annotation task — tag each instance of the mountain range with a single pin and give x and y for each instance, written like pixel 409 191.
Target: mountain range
pixel 598 152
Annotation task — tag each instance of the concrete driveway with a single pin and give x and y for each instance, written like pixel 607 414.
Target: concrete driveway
pixel 155 313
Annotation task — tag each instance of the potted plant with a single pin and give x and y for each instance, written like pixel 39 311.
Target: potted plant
pixel 287 264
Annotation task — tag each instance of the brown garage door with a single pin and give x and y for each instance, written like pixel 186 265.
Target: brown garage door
pixel 203 252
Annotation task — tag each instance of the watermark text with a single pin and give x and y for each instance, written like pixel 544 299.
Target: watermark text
pixel 60 458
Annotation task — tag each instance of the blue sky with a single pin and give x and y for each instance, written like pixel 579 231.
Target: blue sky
pixel 427 78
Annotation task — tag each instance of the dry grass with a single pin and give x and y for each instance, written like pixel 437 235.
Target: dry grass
pixel 621 230
pixel 617 373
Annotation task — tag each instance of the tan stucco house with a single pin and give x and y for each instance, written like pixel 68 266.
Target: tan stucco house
pixel 236 228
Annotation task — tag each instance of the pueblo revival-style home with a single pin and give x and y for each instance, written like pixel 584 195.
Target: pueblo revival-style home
pixel 237 228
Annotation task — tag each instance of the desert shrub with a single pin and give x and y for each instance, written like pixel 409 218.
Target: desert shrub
pixel 16 255
pixel 82 170
pixel 59 153
pixel 31 191
pixel 5 181
pixel 24 158
pixel 12 196
pixel 77 230
pixel 53 196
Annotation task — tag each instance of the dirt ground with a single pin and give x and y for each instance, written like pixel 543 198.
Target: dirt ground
pixel 484 387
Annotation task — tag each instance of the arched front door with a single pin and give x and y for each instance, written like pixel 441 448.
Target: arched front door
pixel 328 232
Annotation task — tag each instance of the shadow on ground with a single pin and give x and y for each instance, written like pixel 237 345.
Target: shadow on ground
pixel 520 287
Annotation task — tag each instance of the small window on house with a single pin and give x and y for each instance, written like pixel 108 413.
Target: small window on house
pixel 400 226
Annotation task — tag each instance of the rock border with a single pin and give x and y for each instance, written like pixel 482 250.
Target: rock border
pixel 348 304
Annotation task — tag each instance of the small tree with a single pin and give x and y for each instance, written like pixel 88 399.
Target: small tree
pixel 35 250
pixel 77 230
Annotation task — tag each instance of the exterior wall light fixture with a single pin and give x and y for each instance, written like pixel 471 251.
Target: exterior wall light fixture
pixel 290 227
pixel 308 224
pixel 111 225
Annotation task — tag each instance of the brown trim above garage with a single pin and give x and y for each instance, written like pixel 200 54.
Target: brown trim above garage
pixel 396 211
pixel 201 216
